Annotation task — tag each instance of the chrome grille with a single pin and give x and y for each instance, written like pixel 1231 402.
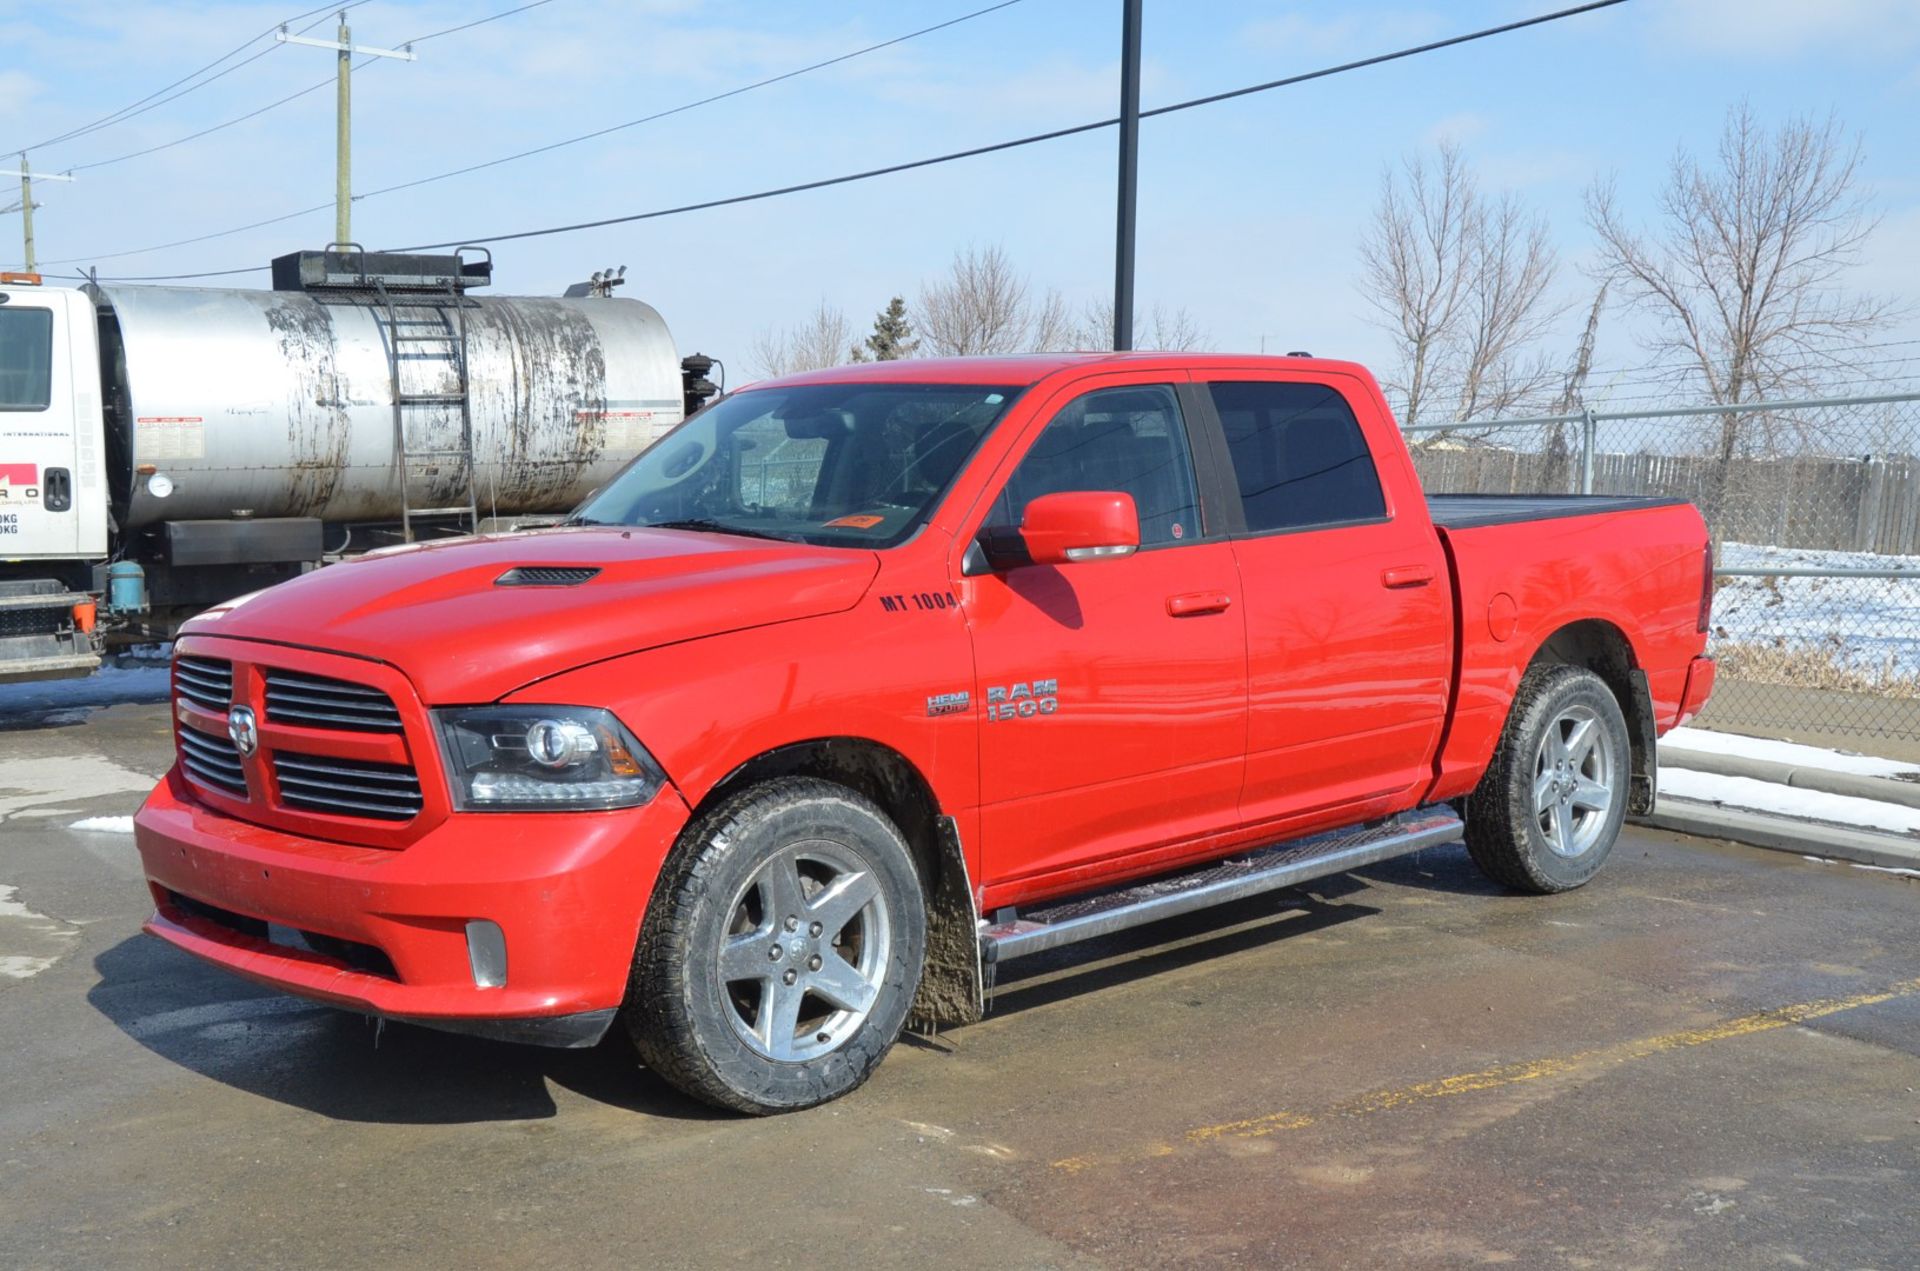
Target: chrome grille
pixel 212 761
pixel 347 787
pixel 318 702
pixel 205 682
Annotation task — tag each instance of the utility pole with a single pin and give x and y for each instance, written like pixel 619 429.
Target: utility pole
pixel 1129 174
pixel 27 204
pixel 344 49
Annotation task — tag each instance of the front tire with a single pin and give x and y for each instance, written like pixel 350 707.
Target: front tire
pixel 781 950
pixel 1547 812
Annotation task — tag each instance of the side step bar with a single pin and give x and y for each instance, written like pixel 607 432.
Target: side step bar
pixel 1265 869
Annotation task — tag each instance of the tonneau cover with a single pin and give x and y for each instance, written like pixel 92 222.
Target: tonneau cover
pixel 1472 511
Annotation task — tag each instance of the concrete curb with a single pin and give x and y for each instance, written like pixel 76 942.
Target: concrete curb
pixel 1880 789
pixel 1785 834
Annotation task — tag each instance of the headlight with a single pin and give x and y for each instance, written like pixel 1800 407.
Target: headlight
pixel 543 758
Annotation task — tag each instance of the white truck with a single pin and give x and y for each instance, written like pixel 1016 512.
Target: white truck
pixel 163 449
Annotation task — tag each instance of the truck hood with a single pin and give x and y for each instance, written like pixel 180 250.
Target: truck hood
pixel 438 613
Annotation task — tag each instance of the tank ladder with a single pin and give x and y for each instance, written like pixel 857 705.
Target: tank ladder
pixel 445 328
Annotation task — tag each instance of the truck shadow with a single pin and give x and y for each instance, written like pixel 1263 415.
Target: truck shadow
pixel 1168 945
pixel 1447 868
pixel 348 1067
pixel 1174 943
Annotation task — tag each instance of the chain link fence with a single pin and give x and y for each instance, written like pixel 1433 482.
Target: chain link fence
pixel 1815 508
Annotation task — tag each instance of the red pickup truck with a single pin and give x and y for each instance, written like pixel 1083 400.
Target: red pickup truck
pixel 862 682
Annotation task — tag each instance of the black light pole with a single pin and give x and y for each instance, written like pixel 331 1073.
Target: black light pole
pixel 1129 174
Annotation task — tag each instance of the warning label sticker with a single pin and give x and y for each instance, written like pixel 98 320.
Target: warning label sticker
pixel 159 438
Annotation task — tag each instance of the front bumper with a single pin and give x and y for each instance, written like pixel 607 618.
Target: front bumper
pixel 567 890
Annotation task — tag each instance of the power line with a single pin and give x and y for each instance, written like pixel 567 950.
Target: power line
pixel 188 242
pixel 468 26
pixel 1034 139
pixel 734 92
pixel 147 103
pixel 195 136
pixel 211 273
pixel 293 96
pixel 951 156
pixel 692 105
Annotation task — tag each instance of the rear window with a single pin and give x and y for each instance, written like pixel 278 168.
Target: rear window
pixel 26 358
pixel 1298 456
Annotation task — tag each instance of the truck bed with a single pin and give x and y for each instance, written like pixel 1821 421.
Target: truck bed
pixel 1473 511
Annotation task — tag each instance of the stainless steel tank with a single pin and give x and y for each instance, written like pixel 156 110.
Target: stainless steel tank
pixel 281 404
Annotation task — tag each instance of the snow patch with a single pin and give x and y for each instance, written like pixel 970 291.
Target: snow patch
pixel 1706 741
pixel 1890 869
pixel 15 967
pixel 105 825
pixel 63 780
pixel 47 939
pixel 1870 624
pixel 1807 805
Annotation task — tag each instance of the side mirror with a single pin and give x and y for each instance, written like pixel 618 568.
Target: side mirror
pixel 1080 525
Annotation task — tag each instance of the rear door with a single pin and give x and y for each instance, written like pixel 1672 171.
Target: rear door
pixel 38 438
pixel 1112 693
pixel 1348 614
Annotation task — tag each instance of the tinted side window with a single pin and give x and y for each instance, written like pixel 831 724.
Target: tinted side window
pixel 1129 439
pixel 1298 455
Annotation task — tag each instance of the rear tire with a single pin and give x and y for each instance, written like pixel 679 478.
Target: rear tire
pixel 781 950
pixel 1549 808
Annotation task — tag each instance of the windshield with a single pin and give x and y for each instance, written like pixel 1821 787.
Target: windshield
pixel 831 464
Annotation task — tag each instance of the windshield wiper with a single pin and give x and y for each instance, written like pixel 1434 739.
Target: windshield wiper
pixel 710 526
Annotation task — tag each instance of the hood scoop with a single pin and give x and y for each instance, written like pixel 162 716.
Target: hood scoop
pixel 546 576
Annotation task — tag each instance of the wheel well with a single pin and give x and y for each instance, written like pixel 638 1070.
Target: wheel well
pixel 1604 649
pixel 950 984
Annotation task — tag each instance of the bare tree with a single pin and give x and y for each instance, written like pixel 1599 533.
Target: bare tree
pixel 1172 330
pixel 1742 274
pixel 985 305
pixel 821 339
pixel 1506 314
pixel 1462 283
pixel 1743 277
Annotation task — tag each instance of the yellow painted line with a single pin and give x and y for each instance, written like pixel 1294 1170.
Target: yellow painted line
pixel 1499 1077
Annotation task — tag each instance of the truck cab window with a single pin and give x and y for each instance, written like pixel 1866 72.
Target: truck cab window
pixel 26 358
pixel 1128 439
pixel 1298 455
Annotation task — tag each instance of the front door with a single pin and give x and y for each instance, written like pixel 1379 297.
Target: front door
pixel 1112 692
pixel 37 431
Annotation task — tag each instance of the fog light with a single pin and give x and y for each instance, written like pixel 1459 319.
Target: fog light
pixel 487 953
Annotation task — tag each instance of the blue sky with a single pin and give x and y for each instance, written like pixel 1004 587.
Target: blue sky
pixel 1249 211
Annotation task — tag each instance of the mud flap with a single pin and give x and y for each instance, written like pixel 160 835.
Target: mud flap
pixel 1644 745
pixel 951 989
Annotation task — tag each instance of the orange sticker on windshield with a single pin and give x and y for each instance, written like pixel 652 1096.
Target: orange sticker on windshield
pixel 862 521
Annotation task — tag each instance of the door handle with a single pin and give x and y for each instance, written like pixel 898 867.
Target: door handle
pixel 1193 603
pixel 1406 576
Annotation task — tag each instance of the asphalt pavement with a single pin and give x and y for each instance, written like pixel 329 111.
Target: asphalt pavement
pixel 1709 1057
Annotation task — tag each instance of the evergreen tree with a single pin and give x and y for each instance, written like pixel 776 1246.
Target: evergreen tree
pixel 893 335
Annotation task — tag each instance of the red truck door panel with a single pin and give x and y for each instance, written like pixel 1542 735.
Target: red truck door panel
pixel 1112 693
pixel 1347 600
